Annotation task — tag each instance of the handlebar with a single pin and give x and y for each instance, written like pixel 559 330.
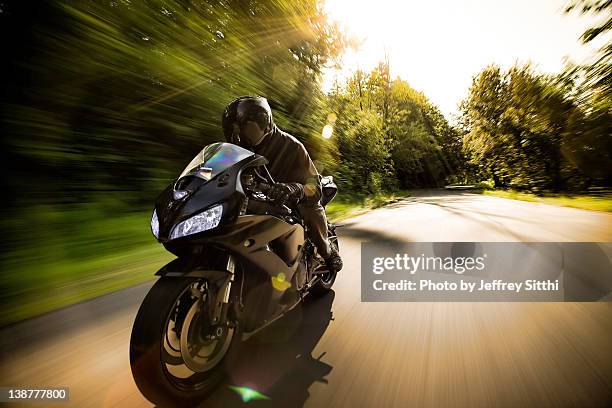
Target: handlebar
pixel 265 189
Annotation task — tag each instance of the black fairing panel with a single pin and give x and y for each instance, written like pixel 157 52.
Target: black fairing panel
pixel 273 255
pixel 225 188
pixel 264 241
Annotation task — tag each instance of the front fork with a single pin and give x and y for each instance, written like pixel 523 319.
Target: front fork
pixel 222 298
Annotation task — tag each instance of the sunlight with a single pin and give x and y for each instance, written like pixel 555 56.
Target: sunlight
pixel 327 131
pixel 437 47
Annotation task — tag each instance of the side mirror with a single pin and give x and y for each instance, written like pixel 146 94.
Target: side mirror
pixel 327 180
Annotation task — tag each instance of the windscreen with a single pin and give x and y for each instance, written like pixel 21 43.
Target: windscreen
pixel 214 159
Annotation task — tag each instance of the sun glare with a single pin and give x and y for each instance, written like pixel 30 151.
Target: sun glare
pixel 438 46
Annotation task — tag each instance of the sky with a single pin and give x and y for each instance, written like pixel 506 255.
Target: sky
pixel 438 46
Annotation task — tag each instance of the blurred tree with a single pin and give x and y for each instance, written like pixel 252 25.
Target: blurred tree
pixel 523 129
pixel 113 98
pixel 589 146
pixel 104 102
pixel 414 143
pixel 596 75
pixel 545 132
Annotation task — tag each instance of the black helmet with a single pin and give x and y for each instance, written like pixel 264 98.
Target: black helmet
pixel 246 108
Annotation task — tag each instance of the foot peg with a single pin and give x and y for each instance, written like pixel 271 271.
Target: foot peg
pixel 334 262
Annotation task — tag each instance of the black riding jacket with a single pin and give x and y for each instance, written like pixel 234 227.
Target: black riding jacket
pixel 289 162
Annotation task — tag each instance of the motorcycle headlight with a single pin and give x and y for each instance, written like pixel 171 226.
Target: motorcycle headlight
pixel 201 222
pixel 155 224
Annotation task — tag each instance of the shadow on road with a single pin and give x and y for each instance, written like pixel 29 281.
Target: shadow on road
pixel 278 362
pixel 364 234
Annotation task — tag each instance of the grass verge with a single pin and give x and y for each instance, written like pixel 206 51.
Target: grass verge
pixel 584 202
pixel 349 205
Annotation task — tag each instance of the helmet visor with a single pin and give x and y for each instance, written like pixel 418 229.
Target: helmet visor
pixel 255 110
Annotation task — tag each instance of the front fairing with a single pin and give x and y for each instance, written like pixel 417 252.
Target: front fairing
pixel 193 192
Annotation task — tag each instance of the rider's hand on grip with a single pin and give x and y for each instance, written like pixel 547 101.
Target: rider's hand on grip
pixel 283 192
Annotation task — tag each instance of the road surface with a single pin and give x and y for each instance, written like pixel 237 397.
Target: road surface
pixel 340 352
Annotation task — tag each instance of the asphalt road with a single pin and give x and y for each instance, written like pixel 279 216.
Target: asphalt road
pixel 339 351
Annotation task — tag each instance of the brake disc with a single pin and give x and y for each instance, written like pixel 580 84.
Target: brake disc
pixel 202 351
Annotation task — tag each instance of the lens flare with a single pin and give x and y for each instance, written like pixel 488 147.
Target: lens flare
pixel 247 394
pixel 327 131
pixel 279 283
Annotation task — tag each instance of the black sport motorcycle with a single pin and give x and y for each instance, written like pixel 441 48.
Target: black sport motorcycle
pixel 243 261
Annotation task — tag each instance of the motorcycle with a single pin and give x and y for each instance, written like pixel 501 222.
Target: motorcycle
pixel 243 261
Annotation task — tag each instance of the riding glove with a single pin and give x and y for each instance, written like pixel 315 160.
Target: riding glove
pixel 283 192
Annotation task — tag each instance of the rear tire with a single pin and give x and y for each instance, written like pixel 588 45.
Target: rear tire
pixel 326 280
pixel 154 357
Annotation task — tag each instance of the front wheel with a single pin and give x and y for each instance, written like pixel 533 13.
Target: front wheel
pixel 177 356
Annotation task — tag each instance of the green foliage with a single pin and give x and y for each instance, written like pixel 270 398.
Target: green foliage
pixel 485 185
pixel 388 135
pixel 117 96
pixel 365 152
pixel 527 131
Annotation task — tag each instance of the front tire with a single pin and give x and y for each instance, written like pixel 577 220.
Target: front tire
pixel 160 365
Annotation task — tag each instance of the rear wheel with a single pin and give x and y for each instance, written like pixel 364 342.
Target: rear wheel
pixel 327 279
pixel 177 356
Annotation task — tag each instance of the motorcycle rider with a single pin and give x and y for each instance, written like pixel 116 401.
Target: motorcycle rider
pixel 247 121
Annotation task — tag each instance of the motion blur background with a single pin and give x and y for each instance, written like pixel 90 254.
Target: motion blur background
pixel 104 102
